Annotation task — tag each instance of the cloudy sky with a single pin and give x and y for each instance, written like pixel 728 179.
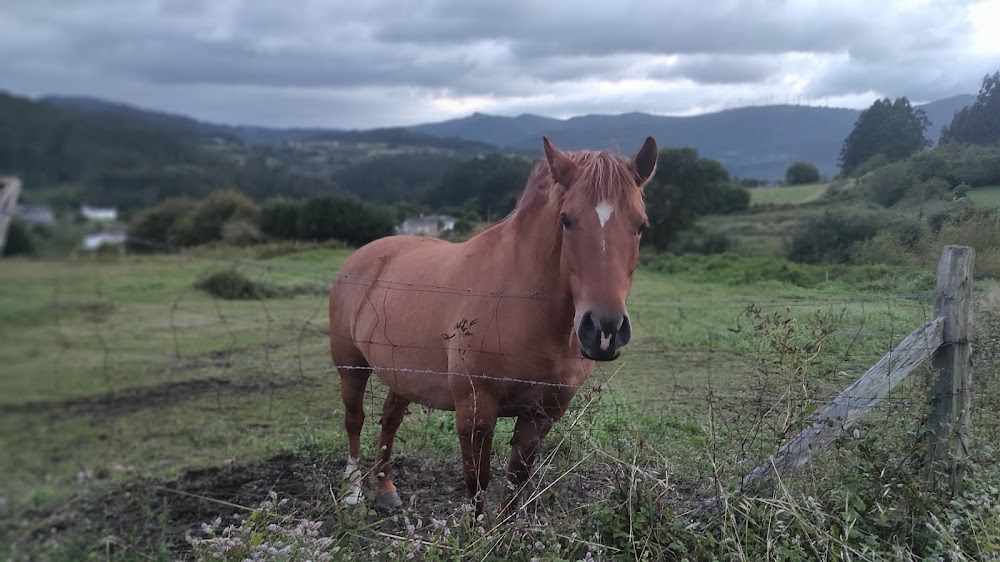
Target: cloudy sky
pixel 368 63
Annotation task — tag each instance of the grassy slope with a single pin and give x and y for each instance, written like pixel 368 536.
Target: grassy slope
pixel 986 196
pixel 790 195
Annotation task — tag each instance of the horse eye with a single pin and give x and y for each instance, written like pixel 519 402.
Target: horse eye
pixel 566 221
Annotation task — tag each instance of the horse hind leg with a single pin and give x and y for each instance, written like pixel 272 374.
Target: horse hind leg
pixel 393 411
pixel 353 381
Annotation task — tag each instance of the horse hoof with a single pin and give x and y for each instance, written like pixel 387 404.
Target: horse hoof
pixel 388 502
pixel 353 496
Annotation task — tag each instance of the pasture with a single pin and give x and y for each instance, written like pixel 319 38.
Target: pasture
pixel 787 195
pixel 988 197
pixel 137 407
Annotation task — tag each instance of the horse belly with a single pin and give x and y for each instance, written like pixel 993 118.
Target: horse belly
pixel 400 334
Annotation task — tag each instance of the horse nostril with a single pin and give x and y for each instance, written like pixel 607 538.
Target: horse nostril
pixel 588 327
pixel 624 332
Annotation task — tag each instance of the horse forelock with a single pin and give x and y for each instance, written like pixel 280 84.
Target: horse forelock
pixel 603 177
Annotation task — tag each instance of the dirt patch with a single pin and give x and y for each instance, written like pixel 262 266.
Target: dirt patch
pixel 129 401
pixel 145 514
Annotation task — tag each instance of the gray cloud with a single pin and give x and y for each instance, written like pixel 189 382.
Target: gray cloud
pixel 375 62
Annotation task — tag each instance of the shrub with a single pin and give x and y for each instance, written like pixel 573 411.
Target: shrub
pixel 212 213
pixel 889 184
pixel 698 241
pixel 342 218
pixel 870 165
pixel 151 228
pixel 904 242
pixel 830 238
pixel 801 173
pixel 233 285
pixel 279 218
pixel 979 229
pixel 241 232
pixel 19 241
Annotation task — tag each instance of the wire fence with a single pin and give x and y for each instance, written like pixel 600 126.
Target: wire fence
pixel 150 363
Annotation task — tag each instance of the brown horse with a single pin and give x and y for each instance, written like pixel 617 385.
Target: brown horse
pixel 508 323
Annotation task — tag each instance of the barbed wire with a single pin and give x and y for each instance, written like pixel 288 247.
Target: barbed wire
pixel 749 398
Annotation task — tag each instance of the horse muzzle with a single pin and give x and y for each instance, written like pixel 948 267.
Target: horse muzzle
pixel 602 336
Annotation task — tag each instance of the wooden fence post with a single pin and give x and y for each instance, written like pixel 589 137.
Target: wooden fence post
pixel 949 397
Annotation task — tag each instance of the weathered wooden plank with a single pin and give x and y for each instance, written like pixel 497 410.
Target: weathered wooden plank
pixel 946 429
pixel 850 405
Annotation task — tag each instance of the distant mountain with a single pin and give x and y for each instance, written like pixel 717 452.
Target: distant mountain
pixel 267 136
pixel 940 113
pixel 248 134
pixel 492 129
pixel 758 142
pixel 105 154
pixel 401 136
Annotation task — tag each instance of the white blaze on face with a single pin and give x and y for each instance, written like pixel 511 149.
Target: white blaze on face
pixel 604 210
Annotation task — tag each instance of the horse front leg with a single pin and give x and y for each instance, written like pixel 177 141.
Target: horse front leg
pixel 529 431
pixel 475 420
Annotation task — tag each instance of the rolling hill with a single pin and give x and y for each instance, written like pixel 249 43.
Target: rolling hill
pixel 758 142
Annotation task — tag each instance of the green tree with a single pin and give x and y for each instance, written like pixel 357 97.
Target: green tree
pixel 216 210
pixel 800 173
pixel 684 187
pixel 892 129
pixel 19 241
pixel 280 218
pixel 487 184
pixel 346 219
pixel 149 230
pixel 978 123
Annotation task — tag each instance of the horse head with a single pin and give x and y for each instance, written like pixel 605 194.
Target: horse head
pixel 602 217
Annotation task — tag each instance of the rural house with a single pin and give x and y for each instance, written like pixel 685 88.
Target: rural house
pixel 432 225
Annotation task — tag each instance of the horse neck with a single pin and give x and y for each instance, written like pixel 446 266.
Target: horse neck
pixel 529 245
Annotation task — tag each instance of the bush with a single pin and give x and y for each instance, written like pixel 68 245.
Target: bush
pixel 212 213
pixel 342 218
pixel 240 232
pixel 831 238
pixel 903 241
pixel 233 285
pixel 279 218
pixel 151 228
pixel 870 165
pixel 698 241
pixel 888 184
pixel 19 241
pixel 801 173
pixel 979 229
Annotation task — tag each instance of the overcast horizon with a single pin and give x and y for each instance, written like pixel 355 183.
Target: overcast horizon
pixel 372 64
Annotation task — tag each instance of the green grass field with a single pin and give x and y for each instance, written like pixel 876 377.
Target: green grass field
pixel 121 380
pixel 986 196
pixel 788 195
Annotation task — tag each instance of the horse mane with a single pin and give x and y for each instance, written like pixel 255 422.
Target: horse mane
pixel 603 177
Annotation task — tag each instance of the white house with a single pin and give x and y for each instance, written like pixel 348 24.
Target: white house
pixel 95 240
pixel 432 225
pixel 35 214
pixel 99 214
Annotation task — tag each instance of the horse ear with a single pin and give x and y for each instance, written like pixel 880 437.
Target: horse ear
pixel 562 168
pixel 644 162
